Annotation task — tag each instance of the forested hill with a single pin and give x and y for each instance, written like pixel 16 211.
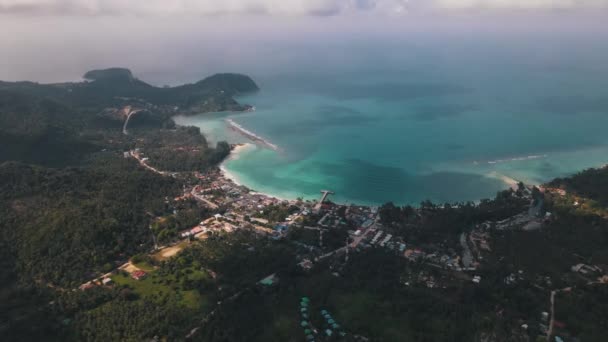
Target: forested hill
pixel 71 205
pixel 591 183
pixel 58 124
pixel 211 94
pixel 114 86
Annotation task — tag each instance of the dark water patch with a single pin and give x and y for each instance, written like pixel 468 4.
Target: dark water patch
pixel 442 111
pixel 334 110
pixel 573 104
pixel 395 91
pixel 545 67
pixel 455 147
pixel 364 181
pixel 327 117
pixel 546 169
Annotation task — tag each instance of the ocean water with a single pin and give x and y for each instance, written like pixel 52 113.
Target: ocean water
pixel 446 122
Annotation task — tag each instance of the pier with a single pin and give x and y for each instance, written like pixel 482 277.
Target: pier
pixel 324 193
pixel 250 135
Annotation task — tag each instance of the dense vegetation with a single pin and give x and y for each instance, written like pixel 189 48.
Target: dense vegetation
pixel 60 225
pixel 432 220
pixel 591 183
pixel 58 124
pixel 181 149
pixel 71 206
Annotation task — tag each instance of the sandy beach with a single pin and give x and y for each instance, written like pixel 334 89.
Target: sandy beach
pixel 250 135
pixel 511 182
pixel 234 155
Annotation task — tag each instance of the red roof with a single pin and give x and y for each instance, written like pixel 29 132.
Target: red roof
pixel 138 274
pixel 87 286
pixel 196 230
pixel 559 324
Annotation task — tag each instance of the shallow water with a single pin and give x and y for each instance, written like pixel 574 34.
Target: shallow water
pixel 449 128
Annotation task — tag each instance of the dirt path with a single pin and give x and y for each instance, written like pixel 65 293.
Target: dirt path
pixel 552 321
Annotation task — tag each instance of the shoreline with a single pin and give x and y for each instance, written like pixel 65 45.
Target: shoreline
pixel 257 141
pixel 240 148
pixel 235 153
pixel 510 182
pixel 250 135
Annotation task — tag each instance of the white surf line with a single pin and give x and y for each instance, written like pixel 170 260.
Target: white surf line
pixel 530 157
pixel 252 136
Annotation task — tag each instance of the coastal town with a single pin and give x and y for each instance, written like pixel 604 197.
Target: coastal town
pixel 325 233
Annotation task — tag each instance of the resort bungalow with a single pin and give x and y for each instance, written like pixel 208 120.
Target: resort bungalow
pixel 270 280
pixel 138 275
pixel 86 286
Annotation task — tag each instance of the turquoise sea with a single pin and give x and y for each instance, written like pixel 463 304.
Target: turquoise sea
pixel 409 122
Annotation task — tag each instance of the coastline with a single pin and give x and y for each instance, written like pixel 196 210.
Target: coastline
pixel 483 167
pixel 250 135
pixel 240 148
pixel 236 153
pixel 510 182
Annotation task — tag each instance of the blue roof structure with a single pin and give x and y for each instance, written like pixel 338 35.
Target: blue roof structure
pixel 281 227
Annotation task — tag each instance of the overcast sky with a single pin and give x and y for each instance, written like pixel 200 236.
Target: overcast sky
pixel 279 7
pixel 53 40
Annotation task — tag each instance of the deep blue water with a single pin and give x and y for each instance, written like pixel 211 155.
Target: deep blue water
pixel 408 122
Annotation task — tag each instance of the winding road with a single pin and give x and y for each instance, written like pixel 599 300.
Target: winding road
pixel 131 113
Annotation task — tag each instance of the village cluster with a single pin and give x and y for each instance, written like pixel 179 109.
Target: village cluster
pixel 237 207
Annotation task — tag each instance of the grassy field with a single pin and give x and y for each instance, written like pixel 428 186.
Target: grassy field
pixel 169 252
pixel 158 286
pixel 144 266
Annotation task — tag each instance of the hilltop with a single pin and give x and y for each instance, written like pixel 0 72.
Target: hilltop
pixel 59 122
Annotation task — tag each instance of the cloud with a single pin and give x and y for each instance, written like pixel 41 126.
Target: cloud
pixel 520 4
pixel 200 7
pixel 277 7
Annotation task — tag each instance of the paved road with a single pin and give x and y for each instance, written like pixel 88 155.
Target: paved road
pixel 203 199
pixel 144 164
pixel 131 113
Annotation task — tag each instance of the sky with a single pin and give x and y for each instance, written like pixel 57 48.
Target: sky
pixel 279 7
pixel 56 40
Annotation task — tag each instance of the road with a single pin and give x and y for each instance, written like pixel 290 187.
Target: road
pixel 163 173
pixel 552 300
pixel 143 163
pixel 203 199
pixel 552 321
pixel 467 257
pixel 131 113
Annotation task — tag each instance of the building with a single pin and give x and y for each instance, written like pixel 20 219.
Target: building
pixel 138 275
pixel 306 264
pixel 270 280
pixel 86 286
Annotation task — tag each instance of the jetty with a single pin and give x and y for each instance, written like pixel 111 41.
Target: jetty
pixel 250 135
pixel 324 194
